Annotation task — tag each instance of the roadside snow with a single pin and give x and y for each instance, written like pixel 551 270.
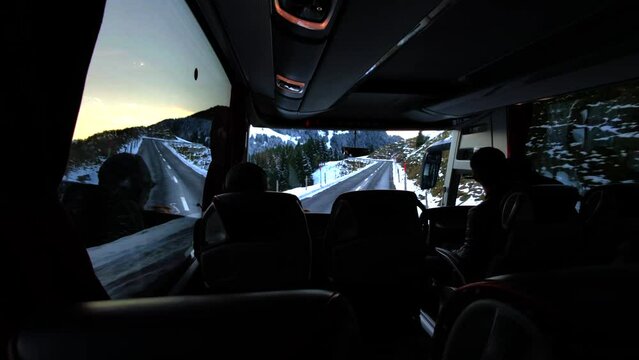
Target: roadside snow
pixel 132 147
pixel 625 106
pixel 331 170
pixel 186 162
pixel 597 179
pixel 131 264
pixel 89 174
pixel 410 185
pixel 84 174
pixel 177 138
pixel 253 131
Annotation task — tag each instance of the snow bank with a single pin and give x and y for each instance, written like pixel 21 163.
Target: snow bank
pixel 132 147
pixel 331 169
pixel 253 131
pixel 84 174
pixel 193 164
pixel 131 264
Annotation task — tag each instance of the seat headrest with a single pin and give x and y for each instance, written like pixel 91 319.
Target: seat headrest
pixel 541 204
pixel 375 214
pixel 263 217
pixel 610 202
pixel 246 177
pixel 254 242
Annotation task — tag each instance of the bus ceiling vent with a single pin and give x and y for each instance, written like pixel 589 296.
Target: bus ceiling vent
pixel 288 87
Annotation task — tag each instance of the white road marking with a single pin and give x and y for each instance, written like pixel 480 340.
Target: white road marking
pixel 175 179
pixel 184 204
pixel 163 159
pixel 359 188
pixel 169 166
pixel 177 210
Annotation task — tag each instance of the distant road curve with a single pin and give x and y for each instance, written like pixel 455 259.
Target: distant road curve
pixel 178 187
pixel 376 177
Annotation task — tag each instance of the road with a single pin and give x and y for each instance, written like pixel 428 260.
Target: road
pixel 377 177
pixel 140 263
pixel 178 187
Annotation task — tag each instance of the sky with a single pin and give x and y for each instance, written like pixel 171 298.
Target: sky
pixel 142 69
pixel 143 65
pixel 408 134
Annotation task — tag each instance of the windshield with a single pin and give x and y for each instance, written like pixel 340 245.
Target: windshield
pixel 319 165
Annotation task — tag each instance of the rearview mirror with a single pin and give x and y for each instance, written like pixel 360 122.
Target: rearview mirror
pixel 430 169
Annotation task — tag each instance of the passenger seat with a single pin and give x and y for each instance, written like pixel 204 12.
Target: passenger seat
pixel 308 324
pixel 254 242
pixel 375 255
pixel 543 231
pixel 610 214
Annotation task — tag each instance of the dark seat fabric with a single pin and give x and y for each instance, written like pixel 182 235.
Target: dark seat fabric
pixel 304 324
pixel 253 242
pixel 317 224
pixel 446 226
pixel 543 230
pixel 610 216
pixel 87 207
pixel 578 313
pixel 375 255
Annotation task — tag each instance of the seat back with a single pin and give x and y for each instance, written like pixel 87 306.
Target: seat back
pixel 304 324
pixel 610 215
pixel 317 224
pixel 253 242
pixel 375 254
pixel 543 231
pixel 373 236
pixel 86 205
pixel 446 226
pixel 578 313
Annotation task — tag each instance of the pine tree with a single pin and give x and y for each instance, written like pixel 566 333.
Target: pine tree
pixel 420 140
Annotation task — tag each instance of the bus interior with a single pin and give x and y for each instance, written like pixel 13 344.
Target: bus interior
pixel 126 119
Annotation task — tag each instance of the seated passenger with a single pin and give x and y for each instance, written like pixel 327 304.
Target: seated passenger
pixel 245 177
pixel 127 181
pixel 484 234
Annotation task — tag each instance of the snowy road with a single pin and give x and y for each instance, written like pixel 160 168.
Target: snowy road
pixel 376 177
pixel 140 263
pixel 178 187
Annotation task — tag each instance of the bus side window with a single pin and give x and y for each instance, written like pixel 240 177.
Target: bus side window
pixel 588 138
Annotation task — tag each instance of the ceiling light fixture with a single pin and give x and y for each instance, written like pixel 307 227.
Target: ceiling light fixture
pixel 313 11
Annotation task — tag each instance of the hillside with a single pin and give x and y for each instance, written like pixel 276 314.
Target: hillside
pixel 297 152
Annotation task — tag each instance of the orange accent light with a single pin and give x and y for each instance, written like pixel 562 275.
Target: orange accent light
pixel 301 22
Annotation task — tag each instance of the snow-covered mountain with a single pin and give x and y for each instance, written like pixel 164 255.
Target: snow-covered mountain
pixel 90 153
pixel 261 139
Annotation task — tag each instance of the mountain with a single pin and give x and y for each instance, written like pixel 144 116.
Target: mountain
pixel 262 139
pixel 197 128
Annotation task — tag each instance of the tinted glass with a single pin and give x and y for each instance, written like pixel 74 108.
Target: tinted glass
pixel 318 165
pixel 141 144
pixel 589 138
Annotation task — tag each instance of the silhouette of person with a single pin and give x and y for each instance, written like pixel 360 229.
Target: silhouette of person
pixel 126 179
pixel 214 183
pixel 245 177
pixel 484 235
